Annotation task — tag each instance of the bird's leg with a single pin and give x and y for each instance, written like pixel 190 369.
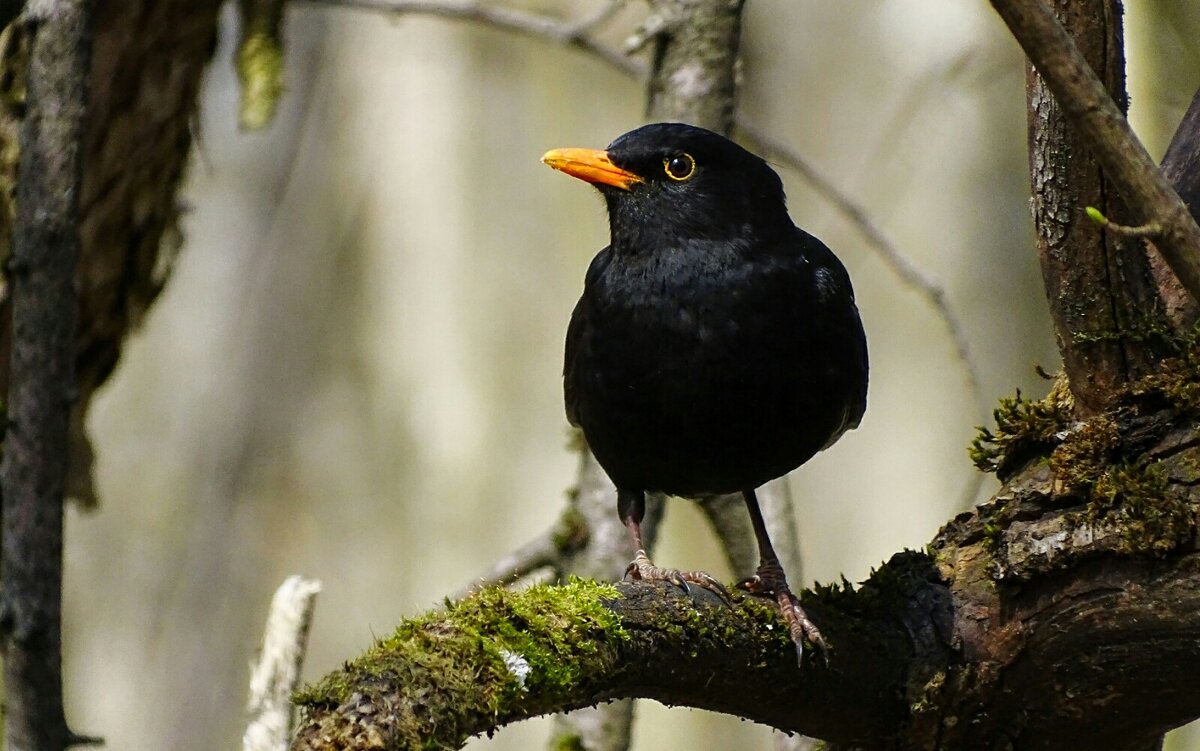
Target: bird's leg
pixel 631 507
pixel 770 580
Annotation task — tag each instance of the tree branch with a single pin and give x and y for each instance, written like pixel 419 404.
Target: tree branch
pixel 568 33
pixel 503 656
pixel 1101 291
pixel 42 382
pixel 693 75
pixel 1181 165
pixel 1089 108
pixel 276 673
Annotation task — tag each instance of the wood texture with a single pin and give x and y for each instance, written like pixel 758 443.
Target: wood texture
pixel 41 386
pixel 1099 285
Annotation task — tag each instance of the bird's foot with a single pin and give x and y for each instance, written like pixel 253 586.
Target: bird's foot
pixel 641 568
pixel 770 581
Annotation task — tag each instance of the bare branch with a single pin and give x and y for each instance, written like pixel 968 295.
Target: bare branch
pixel 1090 109
pixel 550 550
pixel 1146 230
pixel 1181 165
pixel 568 33
pixel 535 555
pixel 276 674
pixel 602 16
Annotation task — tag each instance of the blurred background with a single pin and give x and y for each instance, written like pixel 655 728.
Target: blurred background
pixel 354 373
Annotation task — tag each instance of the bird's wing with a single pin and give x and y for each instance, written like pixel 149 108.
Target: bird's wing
pixel 576 330
pixel 859 402
pixel 856 405
pixel 835 292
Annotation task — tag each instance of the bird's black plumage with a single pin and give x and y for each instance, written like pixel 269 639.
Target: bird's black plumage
pixel 716 345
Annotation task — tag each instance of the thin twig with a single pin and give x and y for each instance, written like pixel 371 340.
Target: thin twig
pixel 275 676
pixel 1153 229
pixel 568 33
pixel 535 555
pixel 597 19
pixel 1124 159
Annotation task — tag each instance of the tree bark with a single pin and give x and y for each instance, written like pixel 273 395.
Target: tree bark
pixel 42 384
pixel 1099 285
pixel 1181 166
pixel 694 73
pixel 85 266
pixel 142 91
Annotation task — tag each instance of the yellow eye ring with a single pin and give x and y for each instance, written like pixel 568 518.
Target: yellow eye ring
pixel 679 167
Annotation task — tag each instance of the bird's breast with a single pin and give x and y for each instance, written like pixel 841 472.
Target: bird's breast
pixel 708 380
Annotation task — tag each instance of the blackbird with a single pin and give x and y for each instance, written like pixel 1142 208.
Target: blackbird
pixel 716 345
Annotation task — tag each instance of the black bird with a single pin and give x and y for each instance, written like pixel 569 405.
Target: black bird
pixel 716 345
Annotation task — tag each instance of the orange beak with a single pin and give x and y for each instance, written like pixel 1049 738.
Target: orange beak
pixel 592 165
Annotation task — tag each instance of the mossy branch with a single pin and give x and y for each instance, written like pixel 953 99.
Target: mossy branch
pixel 502 656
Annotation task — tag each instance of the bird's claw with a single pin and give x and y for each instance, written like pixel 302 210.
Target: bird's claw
pixel 641 568
pixel 753 585
pixel 800 627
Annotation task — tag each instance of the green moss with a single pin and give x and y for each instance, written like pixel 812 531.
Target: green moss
pixel 260 70
pixel 930 698
pixel 1138 499
pixel 1024 430
pixel 1176 380
pixel 993 535
pixel 885 589
pixel 570 743
pixel 1151 327
pixel 495 650
pixel 1085 453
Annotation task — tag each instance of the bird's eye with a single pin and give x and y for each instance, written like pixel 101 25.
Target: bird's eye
pixel 679 167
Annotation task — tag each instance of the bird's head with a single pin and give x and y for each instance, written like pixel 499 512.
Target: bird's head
pixel 669 183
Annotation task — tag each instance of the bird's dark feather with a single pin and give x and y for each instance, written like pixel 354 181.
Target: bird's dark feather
pixel 716 346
